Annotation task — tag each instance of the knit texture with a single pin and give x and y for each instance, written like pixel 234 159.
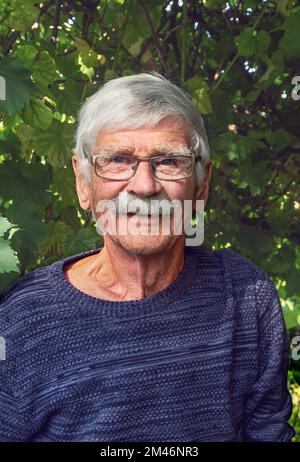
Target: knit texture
pixel 205 359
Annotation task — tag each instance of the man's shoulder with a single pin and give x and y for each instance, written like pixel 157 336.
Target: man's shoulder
pixel 240 266
pixel 31 285
pixel 38 287
pixel 232 263
pixel 249 281
pixel 239 272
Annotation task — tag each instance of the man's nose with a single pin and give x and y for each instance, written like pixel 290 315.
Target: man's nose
pixel 143 182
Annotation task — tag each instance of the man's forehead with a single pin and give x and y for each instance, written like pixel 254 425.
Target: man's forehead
pixel 163 147
pixel 164 133
pixel 149 144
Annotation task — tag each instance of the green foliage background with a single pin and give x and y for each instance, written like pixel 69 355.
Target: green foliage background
pixel 237 60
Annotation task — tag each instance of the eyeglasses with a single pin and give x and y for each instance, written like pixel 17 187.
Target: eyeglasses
pixel 120 167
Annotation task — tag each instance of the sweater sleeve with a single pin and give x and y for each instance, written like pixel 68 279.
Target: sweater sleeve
pixel 13 423
pixel 269 404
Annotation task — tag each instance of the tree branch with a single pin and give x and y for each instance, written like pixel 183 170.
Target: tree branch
pixel 155 37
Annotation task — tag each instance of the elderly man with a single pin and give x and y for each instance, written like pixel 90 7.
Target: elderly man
pixel 146 339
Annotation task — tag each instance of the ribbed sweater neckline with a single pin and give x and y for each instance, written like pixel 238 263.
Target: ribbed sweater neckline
pixel 162 300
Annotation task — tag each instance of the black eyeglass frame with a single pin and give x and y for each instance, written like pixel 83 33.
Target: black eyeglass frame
pixel 194 157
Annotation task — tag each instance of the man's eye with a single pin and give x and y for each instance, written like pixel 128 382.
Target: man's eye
pixel 167 162
pixel 120 160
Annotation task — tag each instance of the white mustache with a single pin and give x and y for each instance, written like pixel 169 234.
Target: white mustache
pixel 129 203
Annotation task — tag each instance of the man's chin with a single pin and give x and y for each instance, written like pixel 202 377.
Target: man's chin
pixel 143 245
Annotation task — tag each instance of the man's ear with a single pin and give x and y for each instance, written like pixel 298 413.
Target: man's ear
pixel 203 190
pixel 83 190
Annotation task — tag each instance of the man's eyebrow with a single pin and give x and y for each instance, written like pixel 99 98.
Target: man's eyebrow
pixel 116 150
pixel 174 150
pixel 156 150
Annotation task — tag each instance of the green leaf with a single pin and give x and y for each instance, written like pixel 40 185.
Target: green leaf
pixel 255 175
pixel 254 243
pixel 88 56
pixel 44 69
pixel 245 42
pixel 110 74
pixel 238 146
pixel 221 102
pixel 277 59
pixel 25 133
pixel 253 95
pixel 292 283
pixel 281 261
pixel 278 139
pixel 291 314
pixel 37 114
pixel 70 215
pixel 137 27
pixel 67 65
pixel 67 100
pixel 55 143
pixel 21 181
pixel 27 216
pixel 5 225
pixel 64 185
pixel 10 145
pixel 249 42
pixel 53 242
pixel 290 43
pixel 18 85
pixel 23 15
pixel 198 89
pixel 85 239
pixel 284 6
pixel 8 259
pixel 26 54
pixel 262 42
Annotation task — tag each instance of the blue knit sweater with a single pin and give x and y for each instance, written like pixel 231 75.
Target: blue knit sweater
pixel 205 359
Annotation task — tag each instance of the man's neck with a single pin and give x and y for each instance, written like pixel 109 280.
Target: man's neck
pixel 117 274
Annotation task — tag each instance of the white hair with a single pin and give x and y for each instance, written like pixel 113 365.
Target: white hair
pixel 135 101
